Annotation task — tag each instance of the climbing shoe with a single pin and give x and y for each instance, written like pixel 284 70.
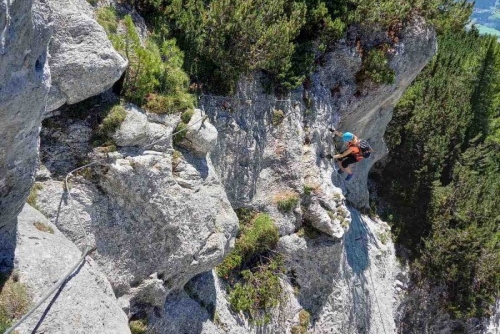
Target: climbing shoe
pixel 340 171
pixel 349 176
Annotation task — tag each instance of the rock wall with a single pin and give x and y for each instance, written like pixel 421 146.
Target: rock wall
pixel 24 34
pixel 156 215
pixel 349 286
pixel 252 153
pixel 86 304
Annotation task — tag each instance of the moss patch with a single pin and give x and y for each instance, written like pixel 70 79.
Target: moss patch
pixel 14 300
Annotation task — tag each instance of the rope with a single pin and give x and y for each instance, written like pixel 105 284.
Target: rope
pixel 72 269
pixel 88 248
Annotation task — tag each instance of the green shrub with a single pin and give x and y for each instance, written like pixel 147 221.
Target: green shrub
pixel 309 189
pixel 286 201
pixel 154 78
pixel 186 116
pixel 259 291
pixel 112 121
pixel 138 326
pixel 251 268
pixel 376 68
pixel 231 263
pixel 14 300
pixel 261 236
pixel 180 132
pixel 106 17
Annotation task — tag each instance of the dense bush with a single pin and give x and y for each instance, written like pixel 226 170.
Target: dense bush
pixel 154 79
pixel 225 39
pixel 375 67
pixel 251 268
pixel 442 180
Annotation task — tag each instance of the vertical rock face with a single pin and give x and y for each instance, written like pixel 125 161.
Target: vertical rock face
pixel 24 34
pixel 256 149
pixel 82 60
pixel 368 115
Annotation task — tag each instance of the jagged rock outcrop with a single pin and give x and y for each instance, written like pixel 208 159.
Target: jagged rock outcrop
pixel 42 256
pixel 353 286
pixel 156 211
pixel 24 34
pixel 82 60
pixel 251 151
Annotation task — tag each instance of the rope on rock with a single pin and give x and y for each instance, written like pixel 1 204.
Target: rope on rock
pixel 72 269
pixel 88 249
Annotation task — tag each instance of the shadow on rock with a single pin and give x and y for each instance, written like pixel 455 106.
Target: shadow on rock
pixel 8 239
pixel 356 243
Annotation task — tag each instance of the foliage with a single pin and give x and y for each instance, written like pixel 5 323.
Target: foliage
pixel 286 201
pixel 43 227
pixel 138 326
pixel 259 291
pixel 154 79
pixel 251 267
pixel 225 39
pixel 106 17
pixel 442 180
pixel 375 67
pixel 14 300
pixel 278 116
pixel 112 121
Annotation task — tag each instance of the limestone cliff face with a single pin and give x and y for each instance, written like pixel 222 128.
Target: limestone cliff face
pixel 156 216
pixel 253 154
pixel 160 214
pixel 27 29
pixel 24 34
pixel 82 63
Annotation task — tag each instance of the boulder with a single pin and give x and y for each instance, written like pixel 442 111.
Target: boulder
pixel 201 135
pixel 85 304
pixel 82 60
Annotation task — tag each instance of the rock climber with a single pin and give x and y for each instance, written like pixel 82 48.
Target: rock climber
pixel 351 155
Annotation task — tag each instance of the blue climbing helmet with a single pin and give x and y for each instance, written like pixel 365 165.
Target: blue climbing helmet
pixel 347 136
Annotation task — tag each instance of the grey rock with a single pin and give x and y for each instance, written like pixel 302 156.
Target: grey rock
pixel 151 292
pixel 148 130
pixel 24 34
pixel 134 129
pixel 150 215
pixel 201 136
pixel 183 315
pixel 252 154
pixel 314 263
pixel 64 145
pixel 86 304
pixel 82 60
pixel 369 115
